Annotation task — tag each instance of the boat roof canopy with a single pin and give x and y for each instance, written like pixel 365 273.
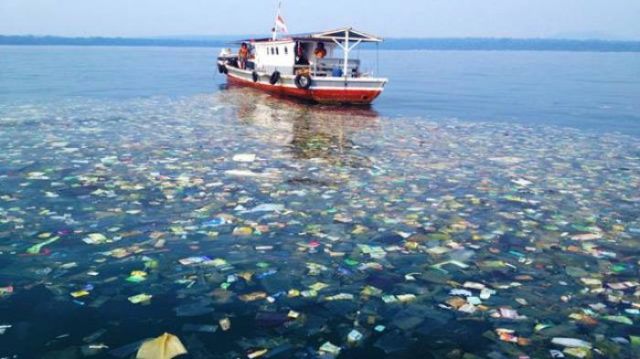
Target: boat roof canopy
pixel 338 35
pixel 341 35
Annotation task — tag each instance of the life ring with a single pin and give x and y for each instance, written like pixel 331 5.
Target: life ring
pixel 254 76
pixel 275 77
pixel 222 69
pixel 303 81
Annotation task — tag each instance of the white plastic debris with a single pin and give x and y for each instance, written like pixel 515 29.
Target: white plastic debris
pixel 244 157
pixel 571 342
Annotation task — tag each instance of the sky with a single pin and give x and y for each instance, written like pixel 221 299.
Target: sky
pixel 608 19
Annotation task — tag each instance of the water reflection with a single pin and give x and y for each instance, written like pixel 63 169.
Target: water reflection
pixel 309 131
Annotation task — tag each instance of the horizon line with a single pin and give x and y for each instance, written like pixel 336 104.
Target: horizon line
pixel 196 38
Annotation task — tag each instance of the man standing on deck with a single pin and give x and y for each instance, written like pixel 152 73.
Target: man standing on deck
pixel 243 56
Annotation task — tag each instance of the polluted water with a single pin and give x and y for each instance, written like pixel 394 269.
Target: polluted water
pixel 236 225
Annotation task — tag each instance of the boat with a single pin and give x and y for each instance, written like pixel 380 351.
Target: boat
pixel 288 66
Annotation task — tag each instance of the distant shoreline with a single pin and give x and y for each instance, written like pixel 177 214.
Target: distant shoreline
pixel 470 44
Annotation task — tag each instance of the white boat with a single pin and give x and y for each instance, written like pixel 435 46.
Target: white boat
pixel 288 66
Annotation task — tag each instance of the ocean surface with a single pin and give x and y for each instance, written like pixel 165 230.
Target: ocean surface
pixel 486 206
pixel 597 91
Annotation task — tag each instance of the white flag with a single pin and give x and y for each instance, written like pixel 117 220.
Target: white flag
pixel 280 24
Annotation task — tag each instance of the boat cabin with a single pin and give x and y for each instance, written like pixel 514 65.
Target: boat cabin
pixel 297 54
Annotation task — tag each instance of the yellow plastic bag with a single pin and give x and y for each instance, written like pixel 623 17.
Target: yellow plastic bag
pixel 166 346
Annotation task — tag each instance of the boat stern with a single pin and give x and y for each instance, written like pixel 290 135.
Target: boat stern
pixel 340 90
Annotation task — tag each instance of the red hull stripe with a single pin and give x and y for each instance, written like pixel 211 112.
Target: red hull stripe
pixel 318 95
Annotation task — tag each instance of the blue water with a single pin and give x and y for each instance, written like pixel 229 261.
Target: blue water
pixel 485 205
pixel 594 91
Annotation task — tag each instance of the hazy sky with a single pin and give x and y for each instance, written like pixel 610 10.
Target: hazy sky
pixel 396 18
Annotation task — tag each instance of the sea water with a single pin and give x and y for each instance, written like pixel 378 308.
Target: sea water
pixel 486 204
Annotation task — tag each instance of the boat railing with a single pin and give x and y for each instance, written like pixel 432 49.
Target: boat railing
pixel 329 67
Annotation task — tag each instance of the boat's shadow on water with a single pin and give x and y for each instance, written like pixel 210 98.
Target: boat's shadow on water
pixel 308 130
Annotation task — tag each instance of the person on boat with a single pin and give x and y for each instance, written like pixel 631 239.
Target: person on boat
pixel 243 56
pixel 320 51
pixel 301 58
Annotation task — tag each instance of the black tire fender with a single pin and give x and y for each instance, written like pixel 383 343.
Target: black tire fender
pixel 254 76
pixel 275 77
pixel 303 81
pixel 222 69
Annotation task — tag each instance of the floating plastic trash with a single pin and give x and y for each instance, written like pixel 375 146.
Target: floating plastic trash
pixel 314 232
pixel 166 346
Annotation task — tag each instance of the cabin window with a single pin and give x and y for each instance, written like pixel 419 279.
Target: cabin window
pixel 273 51
pixel 277 51
pixel 286 50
